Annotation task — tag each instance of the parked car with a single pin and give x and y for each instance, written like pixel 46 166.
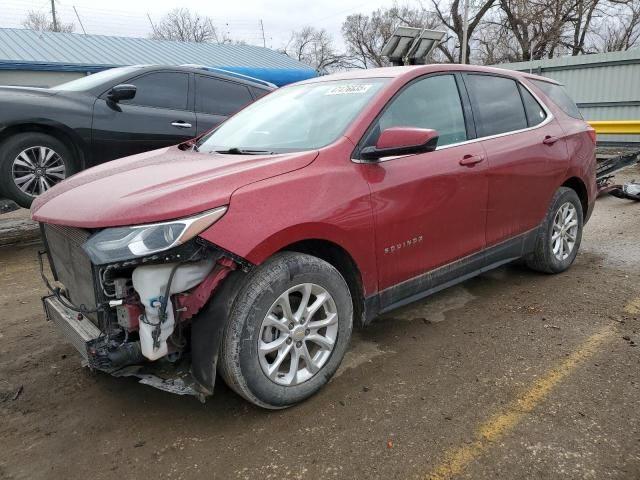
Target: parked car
pixel 255 249
pixel 47 134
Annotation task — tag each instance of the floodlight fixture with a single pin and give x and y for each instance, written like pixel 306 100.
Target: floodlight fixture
pixel 411 46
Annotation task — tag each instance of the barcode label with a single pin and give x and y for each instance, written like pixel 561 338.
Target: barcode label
pixel 348 89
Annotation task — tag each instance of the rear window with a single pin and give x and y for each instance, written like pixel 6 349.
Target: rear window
pixel 497 106
pixel 560 97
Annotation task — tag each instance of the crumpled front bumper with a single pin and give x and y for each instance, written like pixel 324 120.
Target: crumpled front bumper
pixel 111 350
pixel 80 332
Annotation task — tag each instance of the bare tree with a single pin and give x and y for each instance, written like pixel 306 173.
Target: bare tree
pixel 40 21
pixel 315 47
pixel 364 35
pixel 495 44
pixel 186 26
pixel 452 18
pixel 501 30
pixel 586 11
pixel 538 26
pixel 620 30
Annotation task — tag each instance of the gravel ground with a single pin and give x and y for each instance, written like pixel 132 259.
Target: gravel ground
pixel 509 375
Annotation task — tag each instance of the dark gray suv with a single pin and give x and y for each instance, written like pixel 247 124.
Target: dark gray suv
pixel 47 134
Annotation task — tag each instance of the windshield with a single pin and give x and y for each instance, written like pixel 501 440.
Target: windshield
pixel 300 117
pixel 90 81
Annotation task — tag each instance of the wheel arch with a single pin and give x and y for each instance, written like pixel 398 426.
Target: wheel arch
pixel 63 133
pixel 342 261
pixel 578 186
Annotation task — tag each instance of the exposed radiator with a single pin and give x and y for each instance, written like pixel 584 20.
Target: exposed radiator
pixel 71 264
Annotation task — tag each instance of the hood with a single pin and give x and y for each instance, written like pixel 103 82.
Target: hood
pixel 35 91
pixel 154 186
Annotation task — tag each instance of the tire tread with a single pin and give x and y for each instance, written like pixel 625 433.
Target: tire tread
pixel 260 279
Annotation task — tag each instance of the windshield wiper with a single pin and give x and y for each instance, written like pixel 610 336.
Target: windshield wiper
pixel 242 151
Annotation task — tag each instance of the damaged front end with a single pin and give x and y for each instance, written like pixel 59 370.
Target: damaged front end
pixel 138 304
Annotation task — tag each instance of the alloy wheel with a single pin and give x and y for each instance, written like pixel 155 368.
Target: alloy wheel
pixel 565 231
pixel 298 334
pixel 36 169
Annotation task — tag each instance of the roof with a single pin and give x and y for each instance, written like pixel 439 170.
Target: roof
pixel 410 71
pixel 23 49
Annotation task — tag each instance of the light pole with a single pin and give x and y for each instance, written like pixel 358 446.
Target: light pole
pixel 53 14
pixel 465 26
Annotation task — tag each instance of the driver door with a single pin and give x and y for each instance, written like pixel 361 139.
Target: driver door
pixel 158 116
pixel 429 208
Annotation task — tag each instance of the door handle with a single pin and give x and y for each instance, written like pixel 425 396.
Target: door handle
pixel 181 124
pixel 471 160
pixel 549 140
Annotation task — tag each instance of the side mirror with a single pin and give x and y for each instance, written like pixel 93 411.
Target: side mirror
pixel 401 141
pixel 122 92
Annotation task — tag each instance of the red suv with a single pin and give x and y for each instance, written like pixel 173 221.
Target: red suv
pixel 254 249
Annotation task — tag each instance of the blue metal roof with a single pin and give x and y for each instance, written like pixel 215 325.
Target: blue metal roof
pixel 22 49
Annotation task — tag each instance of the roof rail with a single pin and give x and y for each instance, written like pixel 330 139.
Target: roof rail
pixel 231 74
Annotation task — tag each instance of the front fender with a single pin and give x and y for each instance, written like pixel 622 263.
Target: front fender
pixel 325 201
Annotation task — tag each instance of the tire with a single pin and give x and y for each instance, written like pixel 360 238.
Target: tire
pixel 241 365
pixel 21 156
pixel 544 258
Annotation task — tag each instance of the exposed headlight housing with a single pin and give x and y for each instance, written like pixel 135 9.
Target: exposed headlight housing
pixel 124 243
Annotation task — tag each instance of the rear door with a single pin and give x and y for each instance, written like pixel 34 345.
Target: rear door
pixel 217 99
pixel 526 153
pixel 159 115
pixel 580 144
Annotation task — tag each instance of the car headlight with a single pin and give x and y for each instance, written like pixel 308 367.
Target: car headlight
pixel 123 243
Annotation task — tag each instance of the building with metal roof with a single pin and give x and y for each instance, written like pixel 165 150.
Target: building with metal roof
pixel 36 58
pixel 606 86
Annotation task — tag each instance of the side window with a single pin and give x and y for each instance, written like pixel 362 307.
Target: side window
pixel 535 113
pixel 560 97
pixel 433 102
pixel 161 90
pixel 497 106
pixel 219 97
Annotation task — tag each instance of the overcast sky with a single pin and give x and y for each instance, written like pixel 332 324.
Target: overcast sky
pixel 239 18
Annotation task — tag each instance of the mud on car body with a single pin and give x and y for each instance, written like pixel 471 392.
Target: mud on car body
pixel 253 251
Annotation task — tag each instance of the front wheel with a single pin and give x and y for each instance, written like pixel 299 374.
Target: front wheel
pixel 289 329
pixel 560 234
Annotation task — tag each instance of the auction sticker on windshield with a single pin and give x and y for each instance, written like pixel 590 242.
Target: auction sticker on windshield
pixel 347 89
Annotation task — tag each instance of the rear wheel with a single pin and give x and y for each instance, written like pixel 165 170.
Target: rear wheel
pixel 289 330
pixel 559 237
pixel 31 163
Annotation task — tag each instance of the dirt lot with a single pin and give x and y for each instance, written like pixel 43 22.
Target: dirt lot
pixel 510 375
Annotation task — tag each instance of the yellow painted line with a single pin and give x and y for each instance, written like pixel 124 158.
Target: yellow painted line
pixel 616 126
pixel 456 460
pixel 633 307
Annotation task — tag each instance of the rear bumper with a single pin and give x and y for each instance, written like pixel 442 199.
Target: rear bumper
pixel 77 329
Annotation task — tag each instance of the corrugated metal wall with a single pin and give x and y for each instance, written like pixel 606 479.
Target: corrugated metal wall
pixel 605 86
pixel 23 47
pixel 26 78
